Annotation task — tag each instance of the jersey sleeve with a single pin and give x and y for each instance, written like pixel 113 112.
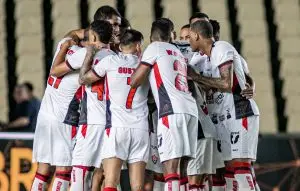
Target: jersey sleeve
pixel 150 55
pixel 101 67
pixel 75 60
pixel 245 65
pixel 225 53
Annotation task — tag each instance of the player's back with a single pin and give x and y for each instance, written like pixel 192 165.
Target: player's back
pixel 127 105
pixel 168 79
pixel 61 90
pixel 93 106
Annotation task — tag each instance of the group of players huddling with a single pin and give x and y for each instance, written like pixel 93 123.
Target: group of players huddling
pixel 179 116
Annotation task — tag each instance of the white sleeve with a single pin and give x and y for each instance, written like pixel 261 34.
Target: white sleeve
pixel 245 65
pixel 59 46
pixel 150 55
pixel 101 67
pixel 225 53
pixel 75 60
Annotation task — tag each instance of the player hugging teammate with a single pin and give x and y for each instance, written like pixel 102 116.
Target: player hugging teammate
pixel 180 116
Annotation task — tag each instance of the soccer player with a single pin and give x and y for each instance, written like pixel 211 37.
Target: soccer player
pixel 165 66
pixel 82 162
pixel 185 33
pixel 238 115
pixel 58 118
pixel 248 93
pixel 92 115
pixel 126 137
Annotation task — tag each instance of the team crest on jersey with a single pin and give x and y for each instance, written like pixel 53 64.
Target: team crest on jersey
pixel 234 137
pixel 154 159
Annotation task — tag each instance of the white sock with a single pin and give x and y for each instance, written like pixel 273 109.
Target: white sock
pixel 257 188
pixel 158 185
pixel 218 183
pixel 231 183
pixel 81 178
pixel 184 184
pixel 172 182
pixel 243 176
pixel 39 182
pixel 61 181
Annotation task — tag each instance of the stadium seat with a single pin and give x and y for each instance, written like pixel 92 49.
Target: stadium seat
pixel 287 18
pixel 256 50
pixel 140 17
pixel 3 72
pixel 217 10
pixel 30 68
pixel 65 18
pixel 172 8
pixel 94 5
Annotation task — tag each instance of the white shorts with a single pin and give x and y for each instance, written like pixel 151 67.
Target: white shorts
pixel 239 138
pixel 128 144
pixel 177 136
pixel 89 141
pixel 207 159
pixel 53 141
pixel 154 163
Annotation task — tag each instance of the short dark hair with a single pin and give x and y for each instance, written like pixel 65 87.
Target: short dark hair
pixel 125 23
pixel 131 36
pixel 28 85
pixel 215 25
pixel 204 28
pixel 198 15
pixel 185 26
pixel 103 29
pixel 105 12
pixel 161 29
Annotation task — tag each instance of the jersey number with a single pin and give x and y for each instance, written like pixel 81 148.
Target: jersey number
pixel 54 82
pixel 98 87
pixel 130 96
pixel 181 80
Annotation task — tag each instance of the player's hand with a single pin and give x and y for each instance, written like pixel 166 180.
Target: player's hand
pixel 249 92
pixel 69 43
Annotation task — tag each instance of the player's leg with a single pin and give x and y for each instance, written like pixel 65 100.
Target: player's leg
pixel 98 179
pixel 218 180
pixel 81 178
pixel 257 188
pixel 244 137
pixel 159 182
pixel 183 173
pixel 62 178
pixel 41 177
pixel 171 175
pixel 149 180
pixel 112 168
pixel 136 175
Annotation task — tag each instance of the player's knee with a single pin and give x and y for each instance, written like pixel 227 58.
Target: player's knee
pixel 43 168
pixel 63 168
pixel 195 179
pixel 137 187
pixel 170 166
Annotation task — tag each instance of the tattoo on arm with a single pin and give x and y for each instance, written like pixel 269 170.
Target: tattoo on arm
pixel 224 83
pixel 87 65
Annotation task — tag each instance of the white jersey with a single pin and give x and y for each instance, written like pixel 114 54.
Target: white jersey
pixel 227 105
pixel 93 106
pixel 185 49
pixel 168 79
pixel 62 93
pixel 126 106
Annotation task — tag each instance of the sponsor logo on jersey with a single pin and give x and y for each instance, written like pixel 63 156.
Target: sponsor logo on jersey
pixel 234 137
pixel 219 146
pixel 159 138
pixel 222 117
pixel 219 98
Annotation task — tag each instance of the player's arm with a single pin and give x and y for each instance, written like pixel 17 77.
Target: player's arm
pixel 87 75
pixel 140 75
pixel 76 35
pixel 60 67
pixel 224 83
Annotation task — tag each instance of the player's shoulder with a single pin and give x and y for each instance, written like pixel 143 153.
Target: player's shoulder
pixel 103 53
pixel 223 46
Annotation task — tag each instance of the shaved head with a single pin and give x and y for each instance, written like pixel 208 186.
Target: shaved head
pixel 201 35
